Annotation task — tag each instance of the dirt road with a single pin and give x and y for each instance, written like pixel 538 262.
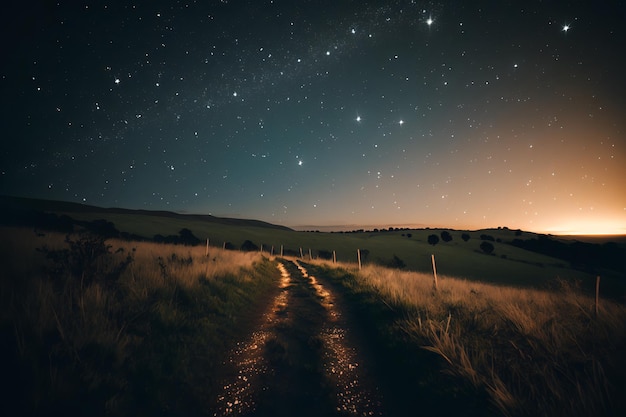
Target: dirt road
pixel 301 360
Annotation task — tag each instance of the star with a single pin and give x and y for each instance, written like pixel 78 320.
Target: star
pixel 401 122
pixel 565 28
pixel 430 21
pixel 358 118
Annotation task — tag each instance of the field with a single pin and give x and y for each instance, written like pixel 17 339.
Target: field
pixel 507 264
pixel 111 326
pixel 119 327
pixel 532 352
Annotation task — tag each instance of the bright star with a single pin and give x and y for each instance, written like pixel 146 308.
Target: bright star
pixel 401 122
pixel 430 21
pixel 300 163
pixel 358 118
pixel 565 28
pixel 117 81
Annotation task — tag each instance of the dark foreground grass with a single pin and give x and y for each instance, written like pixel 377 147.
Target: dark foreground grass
pixel 505 351
pixel 90 329
pixel 413 380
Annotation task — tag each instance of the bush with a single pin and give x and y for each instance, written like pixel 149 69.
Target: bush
pixel 324 254
pixel 487 247
pixel 433 239
pixel 465 237
pixel 395 262
pixel 446 236
pixel 187 237
pixel 249 246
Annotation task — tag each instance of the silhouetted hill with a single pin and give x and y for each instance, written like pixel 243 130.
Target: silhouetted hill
pixel 13 209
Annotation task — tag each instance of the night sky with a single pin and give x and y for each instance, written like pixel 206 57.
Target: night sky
pixel 460 114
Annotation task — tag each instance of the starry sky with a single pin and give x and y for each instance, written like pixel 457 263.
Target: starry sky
pixel 459 114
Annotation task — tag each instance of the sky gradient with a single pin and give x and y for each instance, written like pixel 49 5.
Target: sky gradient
pixel 459 114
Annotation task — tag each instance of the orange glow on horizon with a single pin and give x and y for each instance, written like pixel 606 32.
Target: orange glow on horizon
pixel 590 227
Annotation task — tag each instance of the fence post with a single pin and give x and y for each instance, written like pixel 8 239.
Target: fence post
pixel 358 255
pixel 281 250
pixel 432 257
pixel 334 257
pixel 272 253
pixel 206 252
pixel 224 246
pixel 301 255
pixel 597 293
pixel 310 255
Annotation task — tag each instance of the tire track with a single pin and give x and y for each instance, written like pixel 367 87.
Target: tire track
pixel 300 361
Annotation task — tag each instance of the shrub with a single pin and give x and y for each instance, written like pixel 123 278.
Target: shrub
pixel 324 254
pixel 446 236
pixel 465 237
pixel 249 246
pixel 486 247
pixel 395 262
pixel 187 237
pixel 433 239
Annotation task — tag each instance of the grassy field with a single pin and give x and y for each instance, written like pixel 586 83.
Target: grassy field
pixel 507 265
pixel 120 328
pixel 458 258
pixel 530 352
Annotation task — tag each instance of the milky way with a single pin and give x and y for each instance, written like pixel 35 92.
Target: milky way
pixel 458 114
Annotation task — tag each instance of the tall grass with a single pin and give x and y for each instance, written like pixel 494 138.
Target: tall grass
pixel 114 327
pixel 534 352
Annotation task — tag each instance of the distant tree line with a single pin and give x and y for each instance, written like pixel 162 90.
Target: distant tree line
pixel 581 255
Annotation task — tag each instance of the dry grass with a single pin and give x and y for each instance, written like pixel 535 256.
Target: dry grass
pixel 135 327
pixel 539 353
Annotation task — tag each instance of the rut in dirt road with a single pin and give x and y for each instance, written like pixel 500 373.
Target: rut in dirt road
pixel 300 360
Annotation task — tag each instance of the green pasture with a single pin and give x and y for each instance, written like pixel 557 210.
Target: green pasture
pixel 507 264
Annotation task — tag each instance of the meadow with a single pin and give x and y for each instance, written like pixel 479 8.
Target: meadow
pixel 530 352
pixel 113 327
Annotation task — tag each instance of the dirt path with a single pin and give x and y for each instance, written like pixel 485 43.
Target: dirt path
pixel 301 360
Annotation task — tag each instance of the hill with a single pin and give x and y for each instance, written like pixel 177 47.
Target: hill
pixel 518 258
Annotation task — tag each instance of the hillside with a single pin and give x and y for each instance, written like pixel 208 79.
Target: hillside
pixel 518 258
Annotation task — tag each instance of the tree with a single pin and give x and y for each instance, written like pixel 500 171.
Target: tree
pixel 465 237
pixel 187 237
pixel 433 239
pixel 249 246
pixel 486 247
pixel 446 236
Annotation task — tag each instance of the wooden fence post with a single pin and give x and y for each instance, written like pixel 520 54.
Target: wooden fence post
pixel 224 246
pixel 432 257
pixel 206 252
pixel 310 255
pixel 301 255
pixel 358 255
pixel 334 257
pixel 281 250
